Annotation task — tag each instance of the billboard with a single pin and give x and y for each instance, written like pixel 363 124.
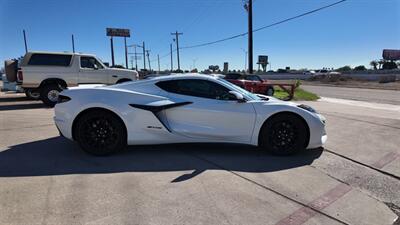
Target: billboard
pixel 391 54
pixel 118 32
pixel 263 59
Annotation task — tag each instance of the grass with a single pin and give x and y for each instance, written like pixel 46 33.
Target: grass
pixel 299 94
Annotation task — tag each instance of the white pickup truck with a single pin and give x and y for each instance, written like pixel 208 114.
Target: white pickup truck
pixel 44 74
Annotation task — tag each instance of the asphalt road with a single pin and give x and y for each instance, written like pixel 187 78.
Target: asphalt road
pixel 368 95
pixel 45 179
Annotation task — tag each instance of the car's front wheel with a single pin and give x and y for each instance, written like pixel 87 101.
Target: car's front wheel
pixel 100 133
pixel 284 134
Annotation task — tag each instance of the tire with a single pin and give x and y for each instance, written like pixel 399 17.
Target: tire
pixel 11 67
pixel 32 94
pixel 270 91
pixel 284 134
pixel 100 133
pixel 49 94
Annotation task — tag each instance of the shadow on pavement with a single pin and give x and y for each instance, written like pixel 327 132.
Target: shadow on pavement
pixel 59 156
pixel 22 106
pixel 14 98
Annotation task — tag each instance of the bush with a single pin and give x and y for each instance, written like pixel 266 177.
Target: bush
pixel 344 69
pixel 389 66
pixel 360 68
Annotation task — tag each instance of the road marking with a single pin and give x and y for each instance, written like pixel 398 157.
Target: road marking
pixel 303 214
pixel 361 104
pixel 386 159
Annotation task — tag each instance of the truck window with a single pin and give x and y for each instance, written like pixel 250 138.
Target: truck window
pixel 50 60
pixel 90 63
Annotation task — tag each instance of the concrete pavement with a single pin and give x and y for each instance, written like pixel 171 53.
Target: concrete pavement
pixel 46 179
pixel 367 95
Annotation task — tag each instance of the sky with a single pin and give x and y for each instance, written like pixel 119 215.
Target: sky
pixel 351 33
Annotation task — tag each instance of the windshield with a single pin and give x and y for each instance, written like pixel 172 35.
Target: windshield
pixel 101 62
pixel 246 94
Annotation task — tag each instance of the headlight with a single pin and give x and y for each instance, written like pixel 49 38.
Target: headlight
pixel 308 108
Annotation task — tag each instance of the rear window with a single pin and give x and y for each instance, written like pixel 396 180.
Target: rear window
pixel 50 60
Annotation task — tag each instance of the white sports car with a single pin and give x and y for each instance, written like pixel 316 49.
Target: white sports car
pixel 188 108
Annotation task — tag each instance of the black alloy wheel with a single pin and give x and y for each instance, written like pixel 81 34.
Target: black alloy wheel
pixel 101 133
pixel 284 134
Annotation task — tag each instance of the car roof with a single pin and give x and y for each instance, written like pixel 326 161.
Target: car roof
pixel 184 76
pixel 58 53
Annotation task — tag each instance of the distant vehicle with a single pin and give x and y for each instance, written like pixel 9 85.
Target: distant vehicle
pixel 325 72
pixel 44 74
pixel 309 72
pixel 252 83
pixel 188 108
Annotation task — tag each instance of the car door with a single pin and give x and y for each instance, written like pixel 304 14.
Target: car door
pixel 212 114
pixel 91 71
pixel 253 83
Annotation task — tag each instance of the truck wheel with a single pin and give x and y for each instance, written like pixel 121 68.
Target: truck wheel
pixel 33 94
pixel 49 94
pixel 270 91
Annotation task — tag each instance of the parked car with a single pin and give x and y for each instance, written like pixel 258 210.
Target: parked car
pixel 184 109
pixel 252 83
pixel 44 74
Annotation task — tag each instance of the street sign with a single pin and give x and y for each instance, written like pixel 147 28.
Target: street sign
pixel 391 54
pixel 117 32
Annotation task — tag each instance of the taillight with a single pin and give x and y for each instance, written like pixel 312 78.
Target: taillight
pixel 20 75
pixel 63 98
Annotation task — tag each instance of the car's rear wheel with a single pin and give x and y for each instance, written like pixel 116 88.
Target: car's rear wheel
pixel 100 133
pixel 284 134
pixel 49 94
pixel 270 91
pixel 32 94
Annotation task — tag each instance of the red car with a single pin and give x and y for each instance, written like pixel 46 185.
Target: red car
pixel 252 83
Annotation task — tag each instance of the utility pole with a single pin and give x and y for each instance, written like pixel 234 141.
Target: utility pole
pixel 172 61
pixel 26 46
pixel 126 53
pixel 73 44
pixel 249 8
pixel 135 58
pixel 177 46
pixel 158 59
pixel 148 58
pixel 112 51
pixel 144 56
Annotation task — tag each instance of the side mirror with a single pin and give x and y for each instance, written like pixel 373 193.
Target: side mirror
pixel 238 96
pixel 95 67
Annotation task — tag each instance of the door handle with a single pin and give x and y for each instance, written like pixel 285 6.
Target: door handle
pixel 114 76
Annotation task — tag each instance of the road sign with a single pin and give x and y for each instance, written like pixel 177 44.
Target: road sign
pixel 117 32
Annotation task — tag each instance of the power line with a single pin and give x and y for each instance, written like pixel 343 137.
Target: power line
pixel 265 27
pixel 258 29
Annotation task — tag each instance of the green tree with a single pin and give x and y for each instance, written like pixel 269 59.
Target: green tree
pixel 374 64
pixel 360 68
pixel 344 69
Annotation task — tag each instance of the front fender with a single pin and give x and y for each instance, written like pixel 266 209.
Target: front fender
pixel 264 111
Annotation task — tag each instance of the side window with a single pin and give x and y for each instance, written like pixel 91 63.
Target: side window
pixel 252 78
pixel 90 63
pixel 196 88
pixel 49 60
